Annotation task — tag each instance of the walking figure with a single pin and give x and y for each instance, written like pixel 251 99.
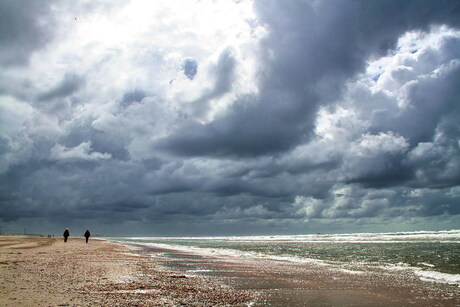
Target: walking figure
pixel 66 234
pixel 87 235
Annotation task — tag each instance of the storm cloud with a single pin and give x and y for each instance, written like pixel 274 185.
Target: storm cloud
pixel 190 68
pixel 25 27
pixel 302 116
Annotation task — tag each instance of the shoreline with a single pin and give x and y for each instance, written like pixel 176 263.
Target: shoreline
pixel 41 271
pixel 283 283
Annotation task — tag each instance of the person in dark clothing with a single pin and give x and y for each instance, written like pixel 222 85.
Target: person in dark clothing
pixel 87 235
pixel 66 234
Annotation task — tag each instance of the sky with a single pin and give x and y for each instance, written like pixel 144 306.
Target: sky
pixel 229 117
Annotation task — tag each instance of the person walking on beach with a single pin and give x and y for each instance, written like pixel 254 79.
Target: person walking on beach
pixel 87 235
pixel 66 234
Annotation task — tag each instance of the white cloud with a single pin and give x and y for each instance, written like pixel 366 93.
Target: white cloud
pixel 418 55
pixel 308 206
pixel 416 193
pixel 454 192
pixel 347 201
pixel 341 125
pixel 375 145
pixel 80 152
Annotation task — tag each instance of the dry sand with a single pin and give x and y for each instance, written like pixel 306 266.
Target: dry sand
pixel 39 271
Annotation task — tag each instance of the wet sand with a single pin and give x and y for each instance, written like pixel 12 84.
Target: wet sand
pixel 48 272
pixel 281 283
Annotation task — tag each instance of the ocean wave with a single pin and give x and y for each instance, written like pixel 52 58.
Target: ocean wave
pixel 445 236
pixel 235 255
pixel 230 254
pixel 423 273
pixel 238 248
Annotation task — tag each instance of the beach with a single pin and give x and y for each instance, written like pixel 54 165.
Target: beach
pixel 41 271
pixel 286 283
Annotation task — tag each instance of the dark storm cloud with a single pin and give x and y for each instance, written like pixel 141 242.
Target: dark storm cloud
pixel 76 189
pixel 430 159
pixel 132 96
pixel 125 206
pixel 244 133
pixel 100 142
pixel 133 155
pixel 190 68
pixel 66 87
pixel 25 26
pixel 433 101
pixel 312 49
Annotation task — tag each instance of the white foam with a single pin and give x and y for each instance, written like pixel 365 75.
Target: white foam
pixel 426 264
pixel 231 254
pixel 423 274
pixel 354 272
pixel 400 266
pixel 433 276
pixel 447 236
pixel 199 271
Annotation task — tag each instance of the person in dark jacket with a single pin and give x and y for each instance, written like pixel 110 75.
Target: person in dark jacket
pixel 66 234
pixel 87 235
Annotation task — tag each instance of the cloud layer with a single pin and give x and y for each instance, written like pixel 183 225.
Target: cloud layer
pixel 230 117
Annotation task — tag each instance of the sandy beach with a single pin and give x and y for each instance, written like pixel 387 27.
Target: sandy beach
pixel 41 271
pixel 45 271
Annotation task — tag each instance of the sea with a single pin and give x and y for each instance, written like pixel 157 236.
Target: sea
pixel 432 256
